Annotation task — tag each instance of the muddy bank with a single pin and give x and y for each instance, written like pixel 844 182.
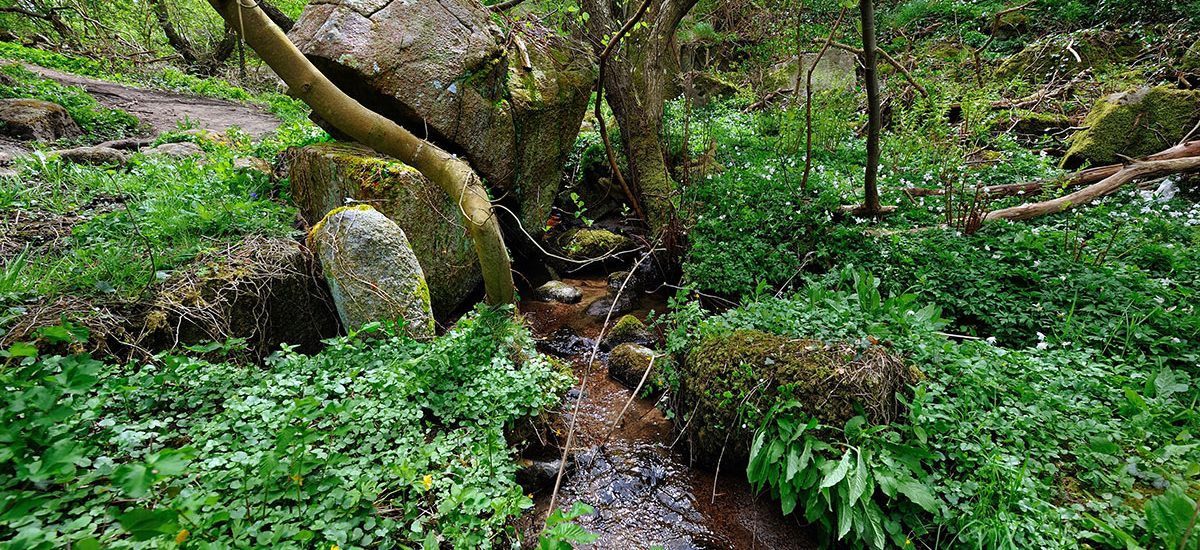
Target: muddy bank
pixel 637 477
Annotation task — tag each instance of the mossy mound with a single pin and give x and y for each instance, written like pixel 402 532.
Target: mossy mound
pixel 1191 59
pixel 1134 124
pixel 1066 55
pixel 728 381
pixel 627 329
pixel 628 363
pixel 582 244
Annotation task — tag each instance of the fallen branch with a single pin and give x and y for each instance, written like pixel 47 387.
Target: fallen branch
pixel 1137 170
pixel 1077 179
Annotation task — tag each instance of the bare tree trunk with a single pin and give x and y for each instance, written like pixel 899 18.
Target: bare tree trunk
pixel 452 174
pixel 871 205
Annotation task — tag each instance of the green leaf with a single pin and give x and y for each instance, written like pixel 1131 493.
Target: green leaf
pixel 170 462
pixel 22 349
pixel 1169 515
pixel 134 479
pixel 838 473
pixel 918 493
pixel 858 480
pixel 145 524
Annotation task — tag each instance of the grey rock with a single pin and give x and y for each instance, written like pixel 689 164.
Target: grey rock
pixel 371 270
pixel 36 120
pixel 445 70
pixel 627 363
pixel 181 150
pixel 329 175
pixel 835 71
pixel 618 304
pixel 98 155
pixel 558 291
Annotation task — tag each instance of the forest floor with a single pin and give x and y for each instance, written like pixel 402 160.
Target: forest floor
pixel 163 110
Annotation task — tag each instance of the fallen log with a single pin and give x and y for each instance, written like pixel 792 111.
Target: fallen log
pixel 1076 179
pixel 1137 170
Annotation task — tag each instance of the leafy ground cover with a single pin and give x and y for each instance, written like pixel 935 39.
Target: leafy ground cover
pixel 100 123
pixel 376 441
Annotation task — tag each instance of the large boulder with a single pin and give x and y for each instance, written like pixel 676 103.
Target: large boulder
pixel 628 363
pixel 445 71
pixel 1066 55
pixel 835 71
pixel 1134 124
pixel 830 381
pixel 372 272
pixel 36 120
pixel 327 176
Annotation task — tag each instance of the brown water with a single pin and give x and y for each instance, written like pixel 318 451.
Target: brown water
pixel 638 479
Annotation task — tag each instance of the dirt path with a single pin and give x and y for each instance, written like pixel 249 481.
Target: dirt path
pixel 163 110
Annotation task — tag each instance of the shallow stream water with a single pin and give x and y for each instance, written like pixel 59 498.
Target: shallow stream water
pixel 638 479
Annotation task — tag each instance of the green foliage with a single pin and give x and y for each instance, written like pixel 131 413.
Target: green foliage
pixel 100 123
pixel 860 486
pixel 54 60
pixel 561 533
pixel 378 441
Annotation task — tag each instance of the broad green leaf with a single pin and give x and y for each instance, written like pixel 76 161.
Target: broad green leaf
pixel 838 473
pixel 134 479
pixel 918 493
pixel 145 524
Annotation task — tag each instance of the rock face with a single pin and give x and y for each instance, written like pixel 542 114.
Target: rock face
pixel 1134 124
pixel 706 87
pixel 829 380
pixel 372 272
pixel 326 176
pixel 835 71
pixel 36 120
pixel 441 69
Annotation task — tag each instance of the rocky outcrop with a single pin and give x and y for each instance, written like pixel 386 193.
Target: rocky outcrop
pixel 179 151
pixel 832 382
pixel 1066 55
pixel 372 272
pixel 704 88
pixel 36 120
pixel 587 244
pixel 326 176
pixel 835 71
pixel 443 70
pixel 1134 124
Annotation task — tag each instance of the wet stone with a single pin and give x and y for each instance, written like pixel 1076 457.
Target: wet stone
pixel 558 291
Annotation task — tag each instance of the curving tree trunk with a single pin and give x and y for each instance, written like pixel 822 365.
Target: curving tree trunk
pixel 636 82
pixel 452 174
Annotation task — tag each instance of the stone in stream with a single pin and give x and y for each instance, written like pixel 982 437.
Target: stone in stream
pixel 98 155
pixel 832 382
pixel 445 70
pixel 372 272
pixel 627 329
pixel 326 176
pixel 36 120
pixel 627 364
pixel 558 291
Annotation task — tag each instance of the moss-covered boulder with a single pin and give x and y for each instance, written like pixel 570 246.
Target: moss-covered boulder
pixel 1066 55
pixel 628 363
pixel 730 380
pixel 326 176
pixel 36 120
pixel 372 272
pixel 1191 59
pixel 628 329
pixel 1134 124
pixel 707 87
pixel 835 71
pixel 510 101
pixel 583 244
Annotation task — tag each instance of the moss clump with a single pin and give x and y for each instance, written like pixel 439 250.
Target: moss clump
pixel 627 329
pixel 1134 124
pixel 593 243
pixel 730 380
pixel 1069 54
pixel 1191 58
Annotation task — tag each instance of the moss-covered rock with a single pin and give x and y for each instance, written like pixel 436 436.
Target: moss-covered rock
pixel 706 87
pixel 372 272
pixel 326 176
pixel 627 329
pixel 1134 124
pixel 730 380
pixel 1191 58
pixel 1065 55
pixel 36 120
pixel 834 71
pixel 582 244
pixel 628 363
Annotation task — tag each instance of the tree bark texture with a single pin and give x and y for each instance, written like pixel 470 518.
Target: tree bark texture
pixel 871 205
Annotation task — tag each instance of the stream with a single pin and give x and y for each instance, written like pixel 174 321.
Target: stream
pixel 639 482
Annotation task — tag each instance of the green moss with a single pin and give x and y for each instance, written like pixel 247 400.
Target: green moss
pixel 628 326
pixel 731 379
pixel 1191 58
pixel 1134 124
pixel 593 243
pixel 316 228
